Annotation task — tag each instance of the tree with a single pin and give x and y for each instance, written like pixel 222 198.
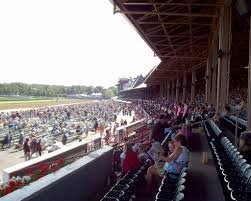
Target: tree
pixel 53 90
pixel 108 93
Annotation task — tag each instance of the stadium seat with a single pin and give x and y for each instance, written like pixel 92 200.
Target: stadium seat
pixel 169 195
pixel 120 195
pixel 178 197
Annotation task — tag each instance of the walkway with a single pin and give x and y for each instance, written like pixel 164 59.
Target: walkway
pixel 203 181
pixel 11 157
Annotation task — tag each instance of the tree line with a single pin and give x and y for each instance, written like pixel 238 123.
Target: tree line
pixel 42 90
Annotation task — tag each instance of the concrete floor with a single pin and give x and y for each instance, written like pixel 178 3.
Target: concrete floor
pixel 203 183
pixel 10 157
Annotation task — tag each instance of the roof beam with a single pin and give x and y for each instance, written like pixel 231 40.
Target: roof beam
pixel 164 28
pixel 174 23
pixel 196 46
pixel 167 13
pixel 170 70
pixel 182 57
pixel 173 4
pixel 176 36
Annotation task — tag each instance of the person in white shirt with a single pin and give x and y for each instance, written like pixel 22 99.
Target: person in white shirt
pixel 184 111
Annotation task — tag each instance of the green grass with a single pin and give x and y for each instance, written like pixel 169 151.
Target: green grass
pixel 7 103
pixel 19 98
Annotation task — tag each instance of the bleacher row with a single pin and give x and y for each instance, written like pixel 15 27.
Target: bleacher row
pixel 233 170
pixel 230 122
pixel 170 189
pixel 43 130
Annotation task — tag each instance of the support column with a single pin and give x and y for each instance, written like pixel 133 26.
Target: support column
pixel 249 84
pixel 168 90
pixel 223 58
pixel 214 70
pixel 164 95
pixel 208 79
pixel 160 90
pixel 184 86
pixel 177 88
pixel 173 89
pixel 193 86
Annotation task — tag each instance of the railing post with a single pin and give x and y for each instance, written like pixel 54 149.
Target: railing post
pixel 236 129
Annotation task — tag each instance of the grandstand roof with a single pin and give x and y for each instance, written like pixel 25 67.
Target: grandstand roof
pixel 178 32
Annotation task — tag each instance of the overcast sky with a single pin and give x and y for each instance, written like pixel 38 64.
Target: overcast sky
pixel 69 42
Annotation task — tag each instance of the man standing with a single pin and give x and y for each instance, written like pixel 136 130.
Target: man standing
pixel 5 140
pixel 157 133
pixel 64 139
pixel 184 111
pixel 26 148
pixel 21 139
pixel 9 138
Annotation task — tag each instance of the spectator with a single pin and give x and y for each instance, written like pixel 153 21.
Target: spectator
pixel 33 145
pixel 131 161
pixel 64 139
pixel 39 147
pixel 21 139
pixel 5 141
pixel 26 148
pixel 157 133
pixel 9 139
pixel 173 162
pixel 245 145
pixel 43 142
pixel 107 136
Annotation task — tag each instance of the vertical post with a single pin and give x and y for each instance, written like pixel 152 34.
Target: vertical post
pixel 184 86
pixel 214 70
pixel 219 65
pixel 168 90
pixel 193 86
pixel 208 79
pixel 249 84
pixel 173 90
pixel 160 89
pixel 223 59
pixel 164 95
pixel 236 130
pixel 177 88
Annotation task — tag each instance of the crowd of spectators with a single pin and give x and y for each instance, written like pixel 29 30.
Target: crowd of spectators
pixel 172 119
pixel 49 129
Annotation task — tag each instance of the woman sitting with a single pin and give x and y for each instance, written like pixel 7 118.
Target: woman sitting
pixel 245 145
pixel 131 161
pixel 174 162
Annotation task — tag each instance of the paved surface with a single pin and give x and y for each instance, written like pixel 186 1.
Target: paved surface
pixel 10 157
pixel 203 183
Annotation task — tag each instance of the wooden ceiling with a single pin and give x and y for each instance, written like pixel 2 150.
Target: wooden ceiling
pixel 178 31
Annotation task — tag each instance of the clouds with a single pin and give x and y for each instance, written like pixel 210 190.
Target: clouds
pixel 68 42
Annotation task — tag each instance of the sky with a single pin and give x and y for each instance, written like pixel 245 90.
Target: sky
pixel 69 42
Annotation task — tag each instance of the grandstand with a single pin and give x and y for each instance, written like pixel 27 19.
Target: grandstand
pixel 204 47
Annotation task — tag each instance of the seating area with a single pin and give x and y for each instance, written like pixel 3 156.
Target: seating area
pixel 230 123
pixel 170 189
pixel 125 188
pixel 233 170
